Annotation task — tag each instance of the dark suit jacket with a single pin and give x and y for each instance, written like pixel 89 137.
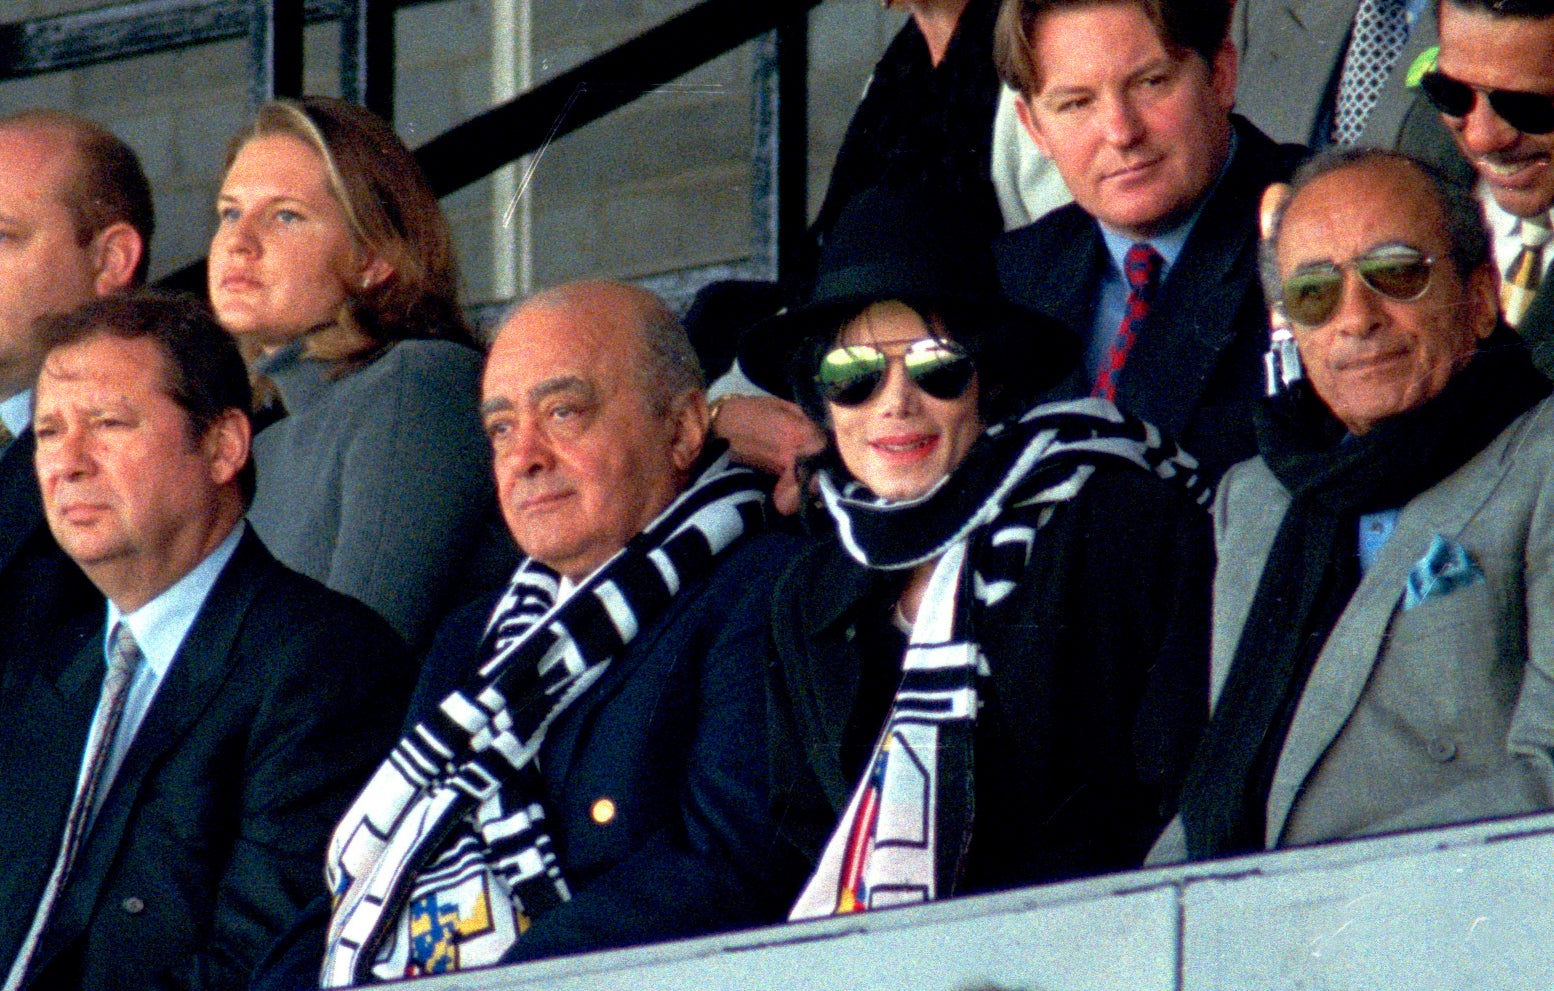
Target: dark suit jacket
pixel 672 735
pixel 21 504
pixel 1197 368
pixel 211 836
pixel 1537 329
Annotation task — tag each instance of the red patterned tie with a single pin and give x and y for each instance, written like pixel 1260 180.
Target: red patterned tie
pixel 1141 266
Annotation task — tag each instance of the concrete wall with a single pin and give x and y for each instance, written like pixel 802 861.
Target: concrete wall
pixel 661 185
pixel 1464 908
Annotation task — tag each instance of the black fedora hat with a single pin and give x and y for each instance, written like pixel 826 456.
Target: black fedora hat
pixel 897 244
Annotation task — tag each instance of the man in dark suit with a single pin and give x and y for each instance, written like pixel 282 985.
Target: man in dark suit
pixel 173 769
pixel 606 700
pixel 76 213
pixel 1131 99
pixel 1497 59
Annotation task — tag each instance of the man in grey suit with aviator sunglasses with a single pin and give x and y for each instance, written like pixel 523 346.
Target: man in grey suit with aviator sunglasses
pixel 1383 638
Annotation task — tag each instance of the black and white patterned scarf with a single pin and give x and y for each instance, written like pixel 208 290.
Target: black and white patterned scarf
pixel 445 857
pixel 905 833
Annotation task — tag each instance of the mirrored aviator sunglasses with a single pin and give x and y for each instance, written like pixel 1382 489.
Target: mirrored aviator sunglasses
pixel 1530 113
pixel 850 375
pixel 1398 272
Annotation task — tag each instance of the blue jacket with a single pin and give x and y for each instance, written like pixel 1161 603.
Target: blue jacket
pixel 673 736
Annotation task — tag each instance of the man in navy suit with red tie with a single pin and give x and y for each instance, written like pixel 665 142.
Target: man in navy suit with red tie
pixel 1155 261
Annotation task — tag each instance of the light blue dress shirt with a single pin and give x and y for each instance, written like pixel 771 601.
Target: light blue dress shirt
pixel 1111 301
pixel 16 412
pixel 1375 528
pixel 159 628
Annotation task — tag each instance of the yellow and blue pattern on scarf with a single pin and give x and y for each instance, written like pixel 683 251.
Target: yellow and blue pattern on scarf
pixel 440 920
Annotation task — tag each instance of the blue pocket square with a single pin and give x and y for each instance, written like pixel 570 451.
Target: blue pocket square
pixel 1445 568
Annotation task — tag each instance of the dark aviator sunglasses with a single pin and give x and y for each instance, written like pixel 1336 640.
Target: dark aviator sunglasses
pixel 1530 113
pixel 850 375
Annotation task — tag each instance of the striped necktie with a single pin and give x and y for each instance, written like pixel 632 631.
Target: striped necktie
pixel 124 658
pixel 1525 273
pixel 1380 32
pixel 1141 266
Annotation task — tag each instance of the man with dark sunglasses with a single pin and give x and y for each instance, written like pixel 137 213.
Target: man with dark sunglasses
pixel 1383 645
pixel 1494 87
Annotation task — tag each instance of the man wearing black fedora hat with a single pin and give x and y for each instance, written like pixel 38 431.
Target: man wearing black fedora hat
pixel 993 671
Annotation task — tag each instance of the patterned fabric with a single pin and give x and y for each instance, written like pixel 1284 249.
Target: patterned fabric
pixel 1141 266
pixel 1525 273
pixel 445 857
pixel 908 825
pixel 124 658
pixel 1380 32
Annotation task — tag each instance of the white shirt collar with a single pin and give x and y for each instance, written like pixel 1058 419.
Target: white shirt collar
pixel 1506 230
pixel 160 625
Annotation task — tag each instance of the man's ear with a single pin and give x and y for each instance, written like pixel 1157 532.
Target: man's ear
pixel 1222 74
pixel 688 420
pixel 116 253
pixel 1484 300
pixel 225 445
pixel 1027 116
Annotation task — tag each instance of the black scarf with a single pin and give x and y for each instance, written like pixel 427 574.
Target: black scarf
pixel 1312 570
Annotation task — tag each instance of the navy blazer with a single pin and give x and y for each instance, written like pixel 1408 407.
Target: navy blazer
pixel 673 735
pixel 282 698
pixel 1196 369
pixel 21 503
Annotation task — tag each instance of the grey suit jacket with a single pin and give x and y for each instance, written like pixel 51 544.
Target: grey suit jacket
pixel 1291 52
pixel 1415 717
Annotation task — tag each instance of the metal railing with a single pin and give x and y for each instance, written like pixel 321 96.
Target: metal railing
pixel 490 140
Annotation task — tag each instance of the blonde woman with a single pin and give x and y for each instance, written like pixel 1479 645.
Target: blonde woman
pixel 332 263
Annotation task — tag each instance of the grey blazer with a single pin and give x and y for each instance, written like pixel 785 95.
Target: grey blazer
pixel 1291 52
pixel 1415 717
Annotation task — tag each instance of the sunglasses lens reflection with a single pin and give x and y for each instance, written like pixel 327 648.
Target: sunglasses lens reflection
pixel 850 375
pixel 1311 297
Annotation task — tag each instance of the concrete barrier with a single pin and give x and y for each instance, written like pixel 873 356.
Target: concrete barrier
pixel 1470 907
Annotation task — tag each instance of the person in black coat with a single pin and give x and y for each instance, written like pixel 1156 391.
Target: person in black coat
pixel 994 672
pixel 926 116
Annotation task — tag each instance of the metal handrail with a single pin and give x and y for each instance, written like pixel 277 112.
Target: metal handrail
pixel 479 146
pixel 580 96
